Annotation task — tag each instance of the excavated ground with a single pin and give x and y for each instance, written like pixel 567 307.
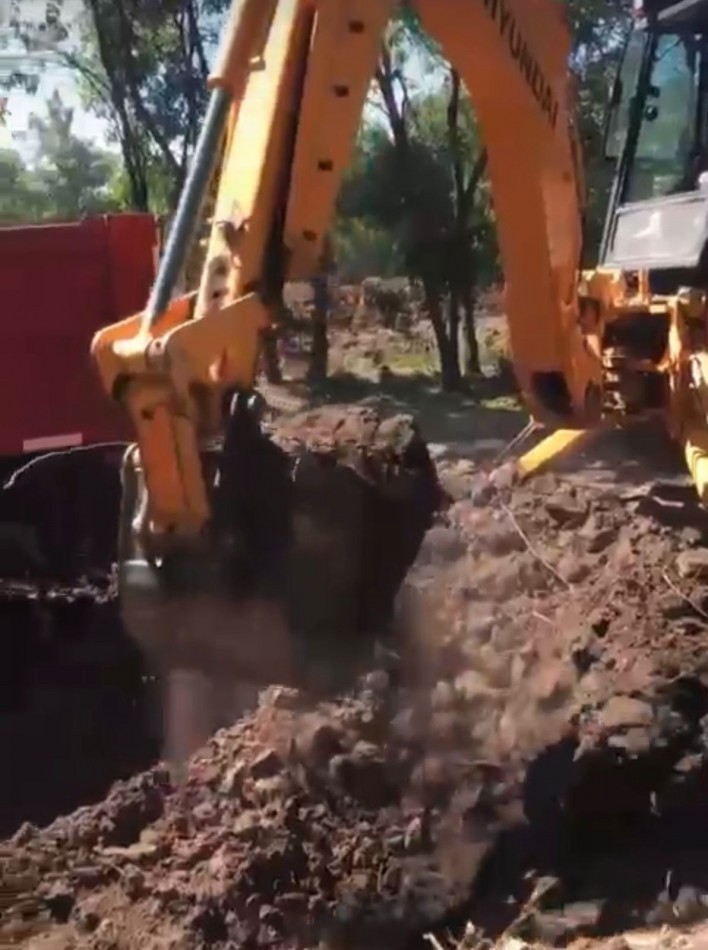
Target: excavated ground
pixel 529 754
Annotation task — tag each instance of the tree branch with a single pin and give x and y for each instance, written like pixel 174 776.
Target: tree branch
pixel 133 87
pixel 196 36
pixel 385 81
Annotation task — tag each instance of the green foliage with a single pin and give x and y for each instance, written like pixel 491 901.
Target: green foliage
pixel 67 178
pixel 28 42
pixel 142 66
pixel 403 174
pixel 363 249
pixel 21 199
pixel 71 172
pixel 599 30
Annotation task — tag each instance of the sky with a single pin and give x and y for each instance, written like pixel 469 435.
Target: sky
pixel 55 78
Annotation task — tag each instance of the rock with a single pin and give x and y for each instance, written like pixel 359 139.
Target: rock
pixel 441 545
pixel 482 491
pixel 479 627
pixel 504 476
pixel 584 655
pixel 495 667
pixel 572 569
pixel 24 834
pixel 688 907
pixel 134 852
pixel 572 921
pixel 635 741
pixel 597 534
pixel 88 922
pixel 362 775
pixel 281 697
pixel 292 903
pixel 599 621
pixel 472 686
pixel 624 711
pixel 318 740
pixel 266 765
pixel 552 683
pixel 691 536
pixel 376 682
pixel 502 540
pixel 416 835
pixel 693 564
pixel 133 881
pixel 567 511
pixel 270 916
pixel 443 696
pixel 60 901
pixel 233 779
pixel 456 479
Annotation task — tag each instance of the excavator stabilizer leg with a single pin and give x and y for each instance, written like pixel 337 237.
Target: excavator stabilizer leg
pixel 552 448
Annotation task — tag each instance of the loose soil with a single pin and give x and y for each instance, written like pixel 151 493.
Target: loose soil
pixel 526 751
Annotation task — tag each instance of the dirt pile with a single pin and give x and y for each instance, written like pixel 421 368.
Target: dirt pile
pixel 289 829
pixel 538 728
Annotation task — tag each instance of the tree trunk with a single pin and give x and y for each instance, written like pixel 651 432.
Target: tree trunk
pixel 450 378
pixel 269 357
pixel 317 370
pixel 472 363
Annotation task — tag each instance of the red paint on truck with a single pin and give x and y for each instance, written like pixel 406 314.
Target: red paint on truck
pixel 59 283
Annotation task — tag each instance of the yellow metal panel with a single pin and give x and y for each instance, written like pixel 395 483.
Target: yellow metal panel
pixel 243 40
pixel 695 448
pixel 552 448
pixel 256 165
pixel 169 453
pixel 345 47
pixel 512 56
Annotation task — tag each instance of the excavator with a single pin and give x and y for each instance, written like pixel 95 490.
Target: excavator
pixel 624 341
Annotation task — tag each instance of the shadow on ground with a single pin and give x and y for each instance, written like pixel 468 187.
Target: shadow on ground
pixel 481 420
pixel 486 410
pixel 78 708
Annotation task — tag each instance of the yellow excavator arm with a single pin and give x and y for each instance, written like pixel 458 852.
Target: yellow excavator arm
pixel 288 90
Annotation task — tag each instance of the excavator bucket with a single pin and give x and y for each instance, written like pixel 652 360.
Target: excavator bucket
pixel 319 519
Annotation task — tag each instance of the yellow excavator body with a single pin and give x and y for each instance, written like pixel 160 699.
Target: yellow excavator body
pixel 590 348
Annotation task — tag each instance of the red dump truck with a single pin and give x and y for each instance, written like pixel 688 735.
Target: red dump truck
pixel 59 283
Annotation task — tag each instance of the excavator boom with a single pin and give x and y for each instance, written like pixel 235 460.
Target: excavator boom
pixel 288 90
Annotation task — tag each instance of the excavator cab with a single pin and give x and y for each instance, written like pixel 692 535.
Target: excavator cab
pixel 657 132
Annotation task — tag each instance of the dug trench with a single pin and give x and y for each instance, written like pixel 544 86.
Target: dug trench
pixel 527 751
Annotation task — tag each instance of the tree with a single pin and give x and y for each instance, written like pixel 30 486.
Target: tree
pixel 419 177
pixel 21 197
pixel 73 174
pixel 144 68
pixel 28 39
pixel 66 177
pixel 599 29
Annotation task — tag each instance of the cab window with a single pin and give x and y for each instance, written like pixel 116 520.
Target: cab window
pixel 624 92
pixel 667 134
